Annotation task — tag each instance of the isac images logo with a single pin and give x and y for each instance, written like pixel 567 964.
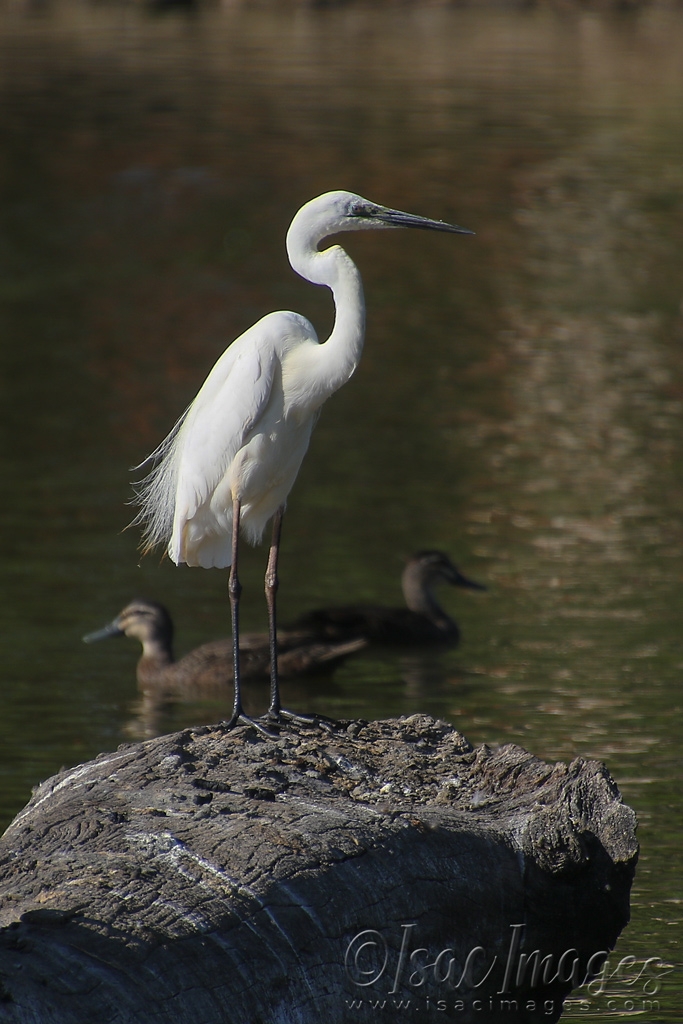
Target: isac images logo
pixel 405 976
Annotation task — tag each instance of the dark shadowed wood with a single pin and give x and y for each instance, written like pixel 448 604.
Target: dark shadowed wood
pixel 212 876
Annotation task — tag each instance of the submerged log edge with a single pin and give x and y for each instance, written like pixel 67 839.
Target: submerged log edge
pixel 214 876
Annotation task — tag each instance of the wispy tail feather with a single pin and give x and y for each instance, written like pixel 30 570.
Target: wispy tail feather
pixel 156 492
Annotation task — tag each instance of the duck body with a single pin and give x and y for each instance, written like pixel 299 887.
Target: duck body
pixel 379 624
pixel 422 622
pixel 209 669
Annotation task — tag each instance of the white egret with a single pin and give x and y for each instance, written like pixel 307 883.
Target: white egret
pixel 232 458
pixel 422 622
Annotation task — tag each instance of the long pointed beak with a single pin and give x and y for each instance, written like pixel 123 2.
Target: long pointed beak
pixel 113 629
pixel 398 219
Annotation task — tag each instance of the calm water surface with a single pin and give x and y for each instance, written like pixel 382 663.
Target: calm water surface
pixel 518 403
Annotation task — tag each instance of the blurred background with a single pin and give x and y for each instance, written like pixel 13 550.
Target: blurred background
pixel 518 403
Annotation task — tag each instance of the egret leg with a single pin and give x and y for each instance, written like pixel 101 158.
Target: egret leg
pixel 276 711
pixel 272 584
pixel 235 589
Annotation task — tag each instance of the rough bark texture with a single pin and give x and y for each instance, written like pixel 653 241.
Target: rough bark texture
pixel 212 876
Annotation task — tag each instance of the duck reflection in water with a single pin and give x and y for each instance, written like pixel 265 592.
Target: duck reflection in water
pixel 422 622
pixel 208 670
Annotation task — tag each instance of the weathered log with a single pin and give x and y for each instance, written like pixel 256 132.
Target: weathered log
pixel 212 876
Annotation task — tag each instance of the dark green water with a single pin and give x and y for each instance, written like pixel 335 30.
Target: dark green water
pixel 519 402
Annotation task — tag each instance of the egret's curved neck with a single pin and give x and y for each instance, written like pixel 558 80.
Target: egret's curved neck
pixel 331 364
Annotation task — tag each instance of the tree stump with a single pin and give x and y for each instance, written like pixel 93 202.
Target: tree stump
pixel 373 872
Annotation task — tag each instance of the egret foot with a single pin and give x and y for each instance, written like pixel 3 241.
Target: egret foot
pixel 241 719
pixel 294 716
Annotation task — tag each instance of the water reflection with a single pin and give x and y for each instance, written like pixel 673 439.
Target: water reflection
pixel 517 405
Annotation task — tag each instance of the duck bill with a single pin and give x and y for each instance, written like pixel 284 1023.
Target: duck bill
pixel 113 629
pixel 460 580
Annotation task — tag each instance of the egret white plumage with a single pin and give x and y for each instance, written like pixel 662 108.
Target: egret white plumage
pixel 233 456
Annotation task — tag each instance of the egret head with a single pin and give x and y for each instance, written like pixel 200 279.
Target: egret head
pixel 362 214
pixel 345 211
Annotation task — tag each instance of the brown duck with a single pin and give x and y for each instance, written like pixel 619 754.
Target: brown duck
pixel 209 668
pixel 422 621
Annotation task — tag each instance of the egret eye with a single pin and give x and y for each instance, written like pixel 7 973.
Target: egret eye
pixel 365 210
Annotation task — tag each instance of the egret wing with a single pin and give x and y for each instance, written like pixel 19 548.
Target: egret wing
pixel 193 460
pixel 226 409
